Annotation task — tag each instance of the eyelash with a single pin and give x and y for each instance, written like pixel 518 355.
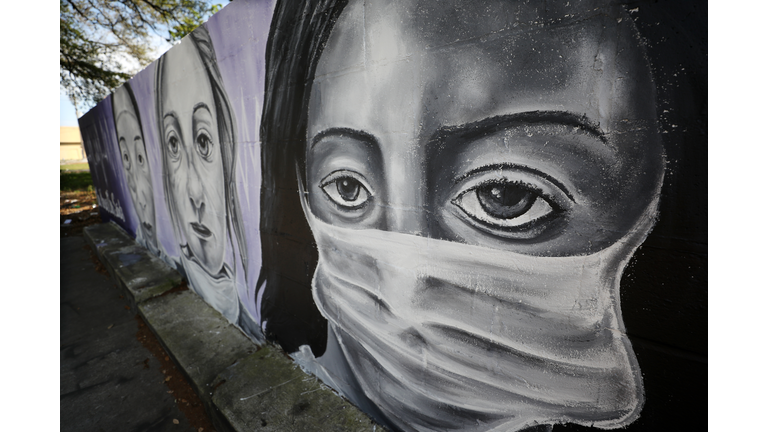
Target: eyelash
pixel 336 195
pixel 510 203
pixel 173 145
pixel 207 142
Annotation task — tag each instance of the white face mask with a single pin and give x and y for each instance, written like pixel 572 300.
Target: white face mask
pixel 444 335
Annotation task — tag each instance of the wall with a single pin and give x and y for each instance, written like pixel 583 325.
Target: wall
pixel 69 152
pixel 70 144
pixel 458 216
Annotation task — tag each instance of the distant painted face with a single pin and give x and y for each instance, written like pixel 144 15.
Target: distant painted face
pixel 135 164
pixel 482 129
pixel 193 155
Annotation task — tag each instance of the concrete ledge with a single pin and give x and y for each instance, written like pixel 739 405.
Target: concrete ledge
pixel 140 273
pixel 243 387
pixel 200 340
pixel 267 391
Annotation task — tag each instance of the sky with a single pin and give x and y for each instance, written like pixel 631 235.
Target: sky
pixel 67 114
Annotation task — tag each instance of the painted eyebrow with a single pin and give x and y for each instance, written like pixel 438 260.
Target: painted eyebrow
pixel 171 114
pixel 346 133
pixel 200 105
pixel 490 125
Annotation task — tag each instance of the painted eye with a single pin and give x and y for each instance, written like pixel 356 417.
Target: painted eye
pixel 204 144
pixel 173 145
pixel 140 159
pixel 346 189
pixel 126 161
pixel 504 205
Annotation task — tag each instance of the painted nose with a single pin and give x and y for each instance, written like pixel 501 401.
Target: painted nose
pixel 131 183
pixel 405 202
pixel 195 189
pixel 406 218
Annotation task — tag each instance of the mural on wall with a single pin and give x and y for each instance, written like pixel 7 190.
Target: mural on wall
pixel 103 160
pixel 187 165
pixel 473 206
pixel 136 166
pixel 198 142
pixel 436 207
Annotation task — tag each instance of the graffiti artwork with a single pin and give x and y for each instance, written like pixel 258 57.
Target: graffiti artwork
pixel 198 145
pixel 437 208
pixel 103 159
pixel 133 151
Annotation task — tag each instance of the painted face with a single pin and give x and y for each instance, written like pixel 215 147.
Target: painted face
pixel 134 159
pixel 476 184
pixel 192 149
pixel 539 140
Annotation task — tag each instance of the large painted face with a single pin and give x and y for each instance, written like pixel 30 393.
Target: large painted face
pixel 501 164
pixel 135 163
pixel 193 155
pixel 535 140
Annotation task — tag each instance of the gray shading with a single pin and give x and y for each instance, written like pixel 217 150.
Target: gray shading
pixel 135 163
pixel 476 179
pixel 197 128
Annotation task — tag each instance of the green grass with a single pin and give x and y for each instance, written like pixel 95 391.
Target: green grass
pixel 74 167
pixel 76 181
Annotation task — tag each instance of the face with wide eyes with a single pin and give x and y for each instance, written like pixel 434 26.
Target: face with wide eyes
pixel 436 121
pixel 193 155
pixel 134 160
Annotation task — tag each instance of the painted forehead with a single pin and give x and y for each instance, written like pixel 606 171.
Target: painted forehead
pixel 122 104
pixel 492 58
pixel 182 65
pixel 439 23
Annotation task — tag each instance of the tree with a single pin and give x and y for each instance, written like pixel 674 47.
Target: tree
pixel 98 39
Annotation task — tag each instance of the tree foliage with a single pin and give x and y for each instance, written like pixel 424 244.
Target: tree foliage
pixel 98 38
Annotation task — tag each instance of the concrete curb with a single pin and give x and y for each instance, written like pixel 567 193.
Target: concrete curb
pixel 267 391
pixel 243 386
pixel 137 271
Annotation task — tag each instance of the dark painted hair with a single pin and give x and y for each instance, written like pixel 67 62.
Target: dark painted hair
pixel 225 121
pixel 298 34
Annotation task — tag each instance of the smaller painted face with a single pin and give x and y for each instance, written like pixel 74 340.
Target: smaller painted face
pixel 193 155
pixel 133 154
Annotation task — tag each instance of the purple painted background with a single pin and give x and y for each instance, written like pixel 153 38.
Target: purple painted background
pixel 100 141
pixel 239 33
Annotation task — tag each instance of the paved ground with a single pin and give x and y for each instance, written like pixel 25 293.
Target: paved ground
pixel 109 381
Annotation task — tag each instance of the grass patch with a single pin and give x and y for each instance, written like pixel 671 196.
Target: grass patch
pixel 76 181
pixel 74 167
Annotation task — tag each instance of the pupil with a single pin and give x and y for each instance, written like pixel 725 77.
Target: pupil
pixel 505 201
pixel 348 188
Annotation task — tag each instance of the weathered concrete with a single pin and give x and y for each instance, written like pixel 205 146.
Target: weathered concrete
pixel 266 391
pixel 200 340
pixel 108 380
pixel 140 273
pixel 242 386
